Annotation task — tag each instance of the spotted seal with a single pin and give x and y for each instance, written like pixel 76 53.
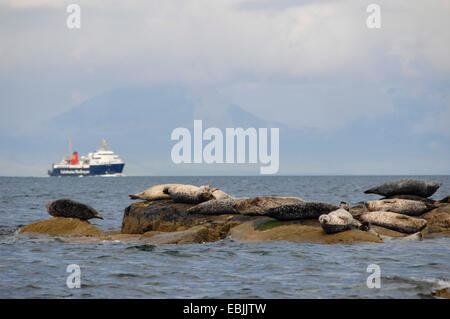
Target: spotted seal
pixel 412 197
pixel 188 194
pixel 244 206
pixel 301 210
pixel 153 193
pixel 219 194
pixel 407 186
pixel 401 206
pixel 398 222
pixel 71 209
pixel 340 220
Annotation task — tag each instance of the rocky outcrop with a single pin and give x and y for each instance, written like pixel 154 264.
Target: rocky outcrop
pixel 438 220
pixel 168 216
pixel 62 226
pixel 298 232
pixel 442 293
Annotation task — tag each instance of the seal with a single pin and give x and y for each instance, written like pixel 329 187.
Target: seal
pixel 245 206
pixel 215 207
pixel 398 222
pixel 259 205
pixel 340 220
pixel 71 209
pixel 219 194
pixel 153 193
pixel 302 210
pixel 401 206
pixel 189 194
pixel 408 186
pixel 412 197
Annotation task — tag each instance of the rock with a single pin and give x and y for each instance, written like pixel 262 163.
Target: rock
pixel 62 226
pixel 167 216
pixel 162 215
pixel 194 235
pixel 438 220
pixel 387 232
pixel 442 293
pixel 180 237
pixel 298 232
pixel 445 200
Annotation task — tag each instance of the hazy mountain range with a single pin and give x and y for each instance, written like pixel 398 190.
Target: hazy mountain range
pixel 137 124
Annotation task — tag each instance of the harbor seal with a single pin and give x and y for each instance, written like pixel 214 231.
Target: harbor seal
pixel 219 194
pixel 259 205
pixel 340 220
pixel 401 206
pixel 72 209
pixel 412 197
pixel 301 210
pixel 244 206
pixel 215 207
pixel 189 194
pixel 153 193
pixel 408 186
pixel 398 222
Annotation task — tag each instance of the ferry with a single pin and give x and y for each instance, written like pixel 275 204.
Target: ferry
pixel 102 162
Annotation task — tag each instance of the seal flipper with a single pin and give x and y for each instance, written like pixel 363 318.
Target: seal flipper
pixel 97 215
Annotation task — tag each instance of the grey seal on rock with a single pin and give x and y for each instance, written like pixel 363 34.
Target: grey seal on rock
pixel 407 186
pixel 189 194
pixel 244 206
pixel 153 193
pixel 401 206
pixel 301 210
pixel 340 220
pixel 71 209
pixel 398 222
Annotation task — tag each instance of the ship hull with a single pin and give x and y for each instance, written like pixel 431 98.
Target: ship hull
pixel 92 170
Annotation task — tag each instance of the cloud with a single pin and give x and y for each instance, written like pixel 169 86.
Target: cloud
pixel 311 64
pixel 207 41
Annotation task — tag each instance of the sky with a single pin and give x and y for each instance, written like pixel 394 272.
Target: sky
pixel 310 65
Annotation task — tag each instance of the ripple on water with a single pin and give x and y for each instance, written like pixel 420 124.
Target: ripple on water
pixel 34 266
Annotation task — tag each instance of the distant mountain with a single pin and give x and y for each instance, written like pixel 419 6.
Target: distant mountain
pixel 137 123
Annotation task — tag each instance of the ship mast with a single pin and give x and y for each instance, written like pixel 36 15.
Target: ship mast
pixel 103 145
pixel 70 146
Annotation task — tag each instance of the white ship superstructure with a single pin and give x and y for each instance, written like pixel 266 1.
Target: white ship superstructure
pixel 102 162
